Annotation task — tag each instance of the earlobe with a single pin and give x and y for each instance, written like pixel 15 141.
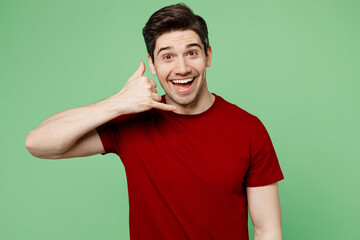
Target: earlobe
pixel 151 65
pixel 209 56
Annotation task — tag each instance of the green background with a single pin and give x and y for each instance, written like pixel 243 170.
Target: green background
pixel 294 64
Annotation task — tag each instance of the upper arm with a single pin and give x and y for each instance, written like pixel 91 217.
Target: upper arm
pixel 89 144
pixel 264 207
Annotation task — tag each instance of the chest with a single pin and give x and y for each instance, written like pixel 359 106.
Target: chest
pixel 185 154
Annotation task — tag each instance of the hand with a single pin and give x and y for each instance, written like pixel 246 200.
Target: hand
pixel 139 94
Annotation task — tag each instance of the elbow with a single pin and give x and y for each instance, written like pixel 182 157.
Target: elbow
pixel 30 143
pixel 35 149
pixel 270 234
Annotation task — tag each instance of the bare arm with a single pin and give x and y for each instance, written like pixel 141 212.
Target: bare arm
pixel 57 134
pixel 265 212
pixel 72 133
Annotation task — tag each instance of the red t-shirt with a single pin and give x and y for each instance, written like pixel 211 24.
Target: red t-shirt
pixel 187 174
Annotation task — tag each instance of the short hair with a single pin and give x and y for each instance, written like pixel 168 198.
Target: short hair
pixel 173 18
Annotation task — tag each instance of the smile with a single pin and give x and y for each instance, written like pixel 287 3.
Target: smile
pixel 182 81
pixel 182 85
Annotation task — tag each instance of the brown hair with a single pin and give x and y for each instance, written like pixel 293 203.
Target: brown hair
pixel 172 18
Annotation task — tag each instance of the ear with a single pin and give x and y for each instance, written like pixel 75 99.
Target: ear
pixel 151 65
pixel 209 56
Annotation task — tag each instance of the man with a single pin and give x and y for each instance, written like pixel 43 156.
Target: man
pixel 195 163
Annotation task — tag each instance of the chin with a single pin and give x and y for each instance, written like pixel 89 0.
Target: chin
pixel 183 100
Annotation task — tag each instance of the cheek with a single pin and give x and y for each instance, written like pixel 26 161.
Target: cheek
pixel 198 63
pixel 163 72
pixel 162 76
pixel 200 67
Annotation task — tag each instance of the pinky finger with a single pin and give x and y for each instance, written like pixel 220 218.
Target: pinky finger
pixel 163 106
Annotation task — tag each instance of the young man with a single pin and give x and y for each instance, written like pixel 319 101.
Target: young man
pixel 195 163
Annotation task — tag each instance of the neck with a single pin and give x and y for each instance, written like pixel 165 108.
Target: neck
pixel 203 102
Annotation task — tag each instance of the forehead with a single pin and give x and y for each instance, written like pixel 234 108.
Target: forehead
pixel 177 39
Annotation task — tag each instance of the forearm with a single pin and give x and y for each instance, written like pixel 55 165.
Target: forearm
pixel 59 132
pixel 275 234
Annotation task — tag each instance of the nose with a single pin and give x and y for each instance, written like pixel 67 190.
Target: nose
pixel 182 68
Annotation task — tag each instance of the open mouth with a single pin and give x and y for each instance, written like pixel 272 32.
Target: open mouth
pixel 183 85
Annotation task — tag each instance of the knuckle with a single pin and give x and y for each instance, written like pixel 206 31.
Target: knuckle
pixel 142 79
pixel 145 104
pixel 146 84
pixel 148 102
pixel 148 94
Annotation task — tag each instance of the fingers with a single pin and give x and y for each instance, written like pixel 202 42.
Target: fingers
pixel 139 72
pixel 139 75
pixel 144 83
pixel 153 89
pixel 152 85
pixel 156 97
pixel 163 106
pixel 152 82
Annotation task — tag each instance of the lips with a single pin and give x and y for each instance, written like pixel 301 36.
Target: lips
pixel 182 85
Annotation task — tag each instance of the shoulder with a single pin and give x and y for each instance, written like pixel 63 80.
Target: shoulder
pixel 238 114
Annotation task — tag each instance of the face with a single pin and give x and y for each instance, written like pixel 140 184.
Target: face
pixel 180 64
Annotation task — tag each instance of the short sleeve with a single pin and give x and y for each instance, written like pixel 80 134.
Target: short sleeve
pixel 108 133
pixel 264 166
pixel 113 133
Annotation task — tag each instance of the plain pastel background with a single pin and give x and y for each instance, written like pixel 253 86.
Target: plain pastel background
pixel 294 64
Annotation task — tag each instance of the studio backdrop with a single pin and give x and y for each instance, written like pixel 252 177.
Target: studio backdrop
pixel 293 64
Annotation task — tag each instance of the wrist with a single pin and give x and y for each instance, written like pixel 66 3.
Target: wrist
pixel 113 105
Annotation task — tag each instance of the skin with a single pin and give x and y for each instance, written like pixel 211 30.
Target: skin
pixel 72 133
pixel 265 211
pixel 181 55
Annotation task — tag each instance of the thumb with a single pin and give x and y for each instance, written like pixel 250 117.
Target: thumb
pixel 139 72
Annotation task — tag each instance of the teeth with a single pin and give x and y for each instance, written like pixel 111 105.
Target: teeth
pixel 182 81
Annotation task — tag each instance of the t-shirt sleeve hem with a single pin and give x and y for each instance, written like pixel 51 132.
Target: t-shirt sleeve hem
pixel 104 141
pixel 264 183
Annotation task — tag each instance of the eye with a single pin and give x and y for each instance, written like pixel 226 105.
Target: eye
pixel 167 57
pixel 192 53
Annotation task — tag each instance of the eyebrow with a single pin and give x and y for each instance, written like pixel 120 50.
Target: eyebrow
pixel 171 47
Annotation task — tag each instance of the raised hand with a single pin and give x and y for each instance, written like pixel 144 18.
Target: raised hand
pixel 139 94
